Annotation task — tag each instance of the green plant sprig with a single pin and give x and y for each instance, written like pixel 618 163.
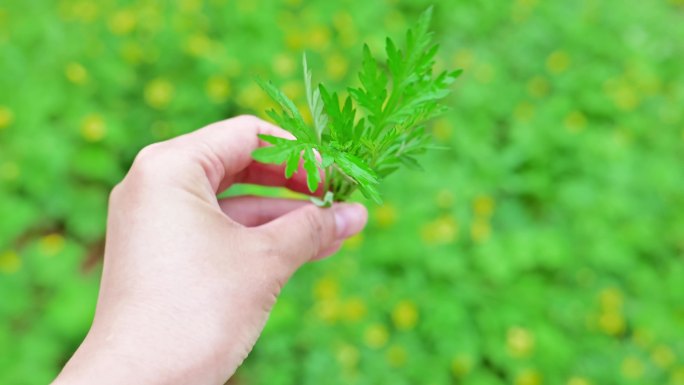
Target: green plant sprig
pixel 379 127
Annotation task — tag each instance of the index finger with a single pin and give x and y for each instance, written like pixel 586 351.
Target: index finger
pixel 228 145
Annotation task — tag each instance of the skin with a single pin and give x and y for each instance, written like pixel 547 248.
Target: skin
pixel 188 281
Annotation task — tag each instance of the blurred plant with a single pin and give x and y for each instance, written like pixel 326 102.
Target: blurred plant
pixel 356 151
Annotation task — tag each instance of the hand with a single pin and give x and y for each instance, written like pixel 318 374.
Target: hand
pixel 189 280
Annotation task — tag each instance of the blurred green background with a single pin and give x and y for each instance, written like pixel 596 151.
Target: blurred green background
pixel 545 246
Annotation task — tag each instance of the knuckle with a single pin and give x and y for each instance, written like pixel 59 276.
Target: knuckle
pixel 247 119
pixel 149 153
pixel 115 195
pixel 150 161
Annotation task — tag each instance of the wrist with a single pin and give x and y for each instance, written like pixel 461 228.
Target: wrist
pixel 116 360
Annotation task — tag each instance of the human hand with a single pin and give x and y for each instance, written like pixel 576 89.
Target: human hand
pixel 188 280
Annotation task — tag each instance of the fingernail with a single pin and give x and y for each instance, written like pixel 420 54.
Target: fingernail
pixel 349 219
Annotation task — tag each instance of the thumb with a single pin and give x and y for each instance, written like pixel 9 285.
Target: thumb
pixel 304 233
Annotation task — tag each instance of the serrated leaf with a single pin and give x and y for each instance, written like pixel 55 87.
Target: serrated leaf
pixel 290 118
pixel 378 128
pixel 326 159
pixel 292 164
pixel 277 153
pixel 356 169
pixel 411 163
pixel 315 102
pixel 313 175
pixel 271 154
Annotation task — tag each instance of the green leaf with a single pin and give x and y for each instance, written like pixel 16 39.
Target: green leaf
pixel 378 128
pixel 278 152
pixel 272 154
pixel 290 118
pixel 315 102
pixel 356 169
pixel 292 163
pixel 313 175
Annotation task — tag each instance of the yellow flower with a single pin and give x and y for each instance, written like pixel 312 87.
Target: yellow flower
pixel 461 365
pixel 385 215
pixel 677 376
pixel 632 368
pixel 376 336
pixel 190 5
pixel 578 381
pixel 251 96
pixel 442 129
pixel 93 128
pixel 528 377
pixel 396 356
pixel 217 89
pixel 663 356
pixel 302 106
pixel 52 244
pixel 284 65
pixel 343 21
pixel 344 24
pixel 480 230
pixel 643 337
pixel 483 206
pixel 198 45
pixel 326 288
pixel 158 93
pixel 445 198
pixel 294 39
pixel 519 342
pixel 524 111
pixel 132 52
pixel 122 22
pixel 575 121
pixel 522 9
pixel 405 315
pixel 611 322
pixel 76 73
pixel 463 58
pixel 611 299
pixel 625 97
pixel 348 356
pixel 318 37
pixel 85 10
pixel 443 230
pixel 328 311
pixel 354 309
pixel 9 262
pixel 294 90
pixel 6 117
pixel 336 66
pixel 558 62
pixel 538 87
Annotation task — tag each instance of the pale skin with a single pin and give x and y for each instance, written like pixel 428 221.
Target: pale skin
pixel 189 280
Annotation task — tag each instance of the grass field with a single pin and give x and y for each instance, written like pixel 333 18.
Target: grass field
pixel 544 245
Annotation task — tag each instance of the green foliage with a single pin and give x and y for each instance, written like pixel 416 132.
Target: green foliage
pixel 356 150
pixel 543 245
